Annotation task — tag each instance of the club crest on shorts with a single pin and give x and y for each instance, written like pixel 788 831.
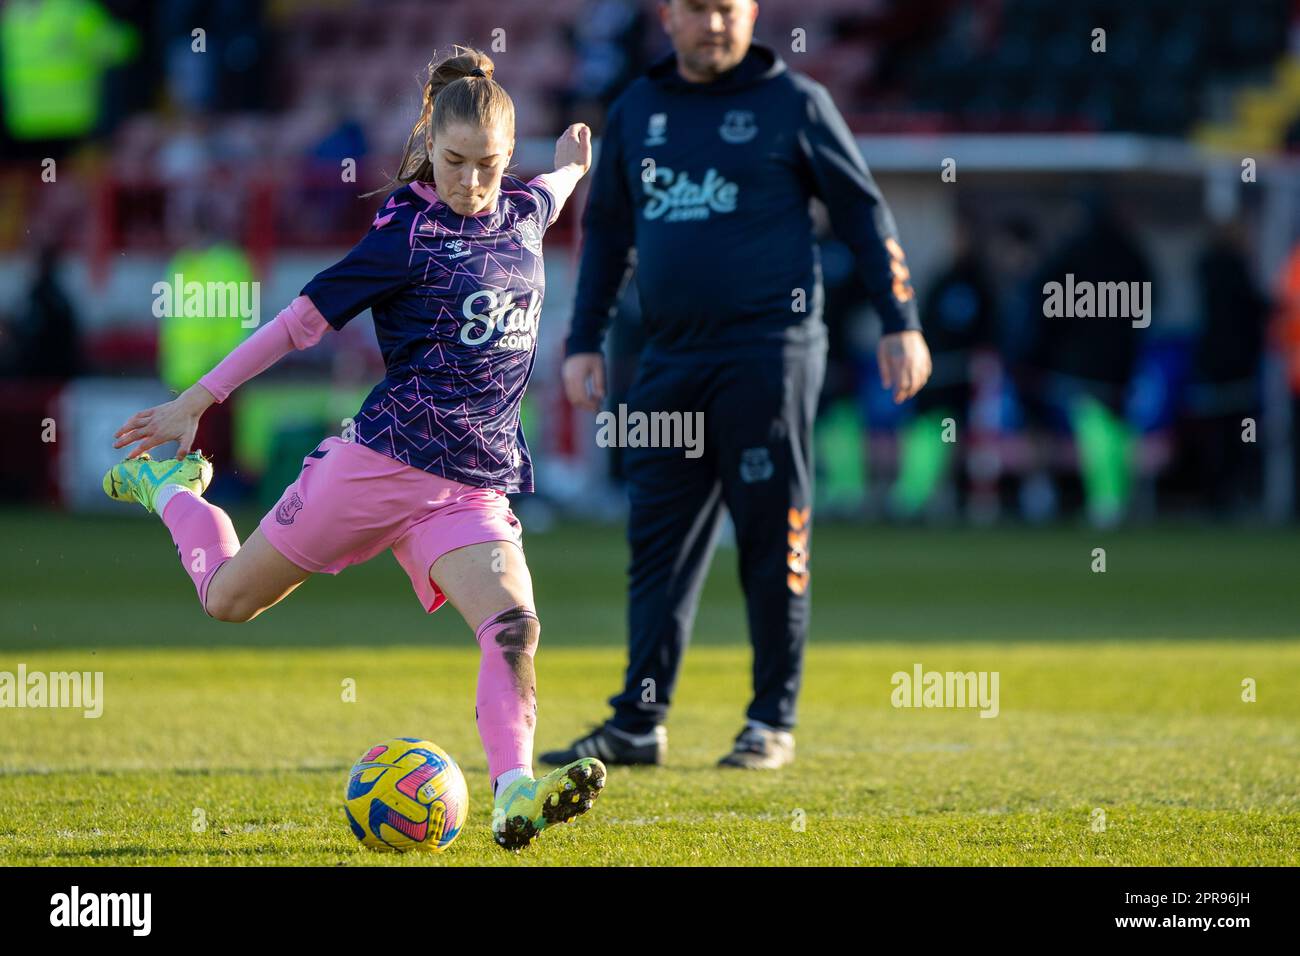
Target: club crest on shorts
pixel 285 513
pixel 755 465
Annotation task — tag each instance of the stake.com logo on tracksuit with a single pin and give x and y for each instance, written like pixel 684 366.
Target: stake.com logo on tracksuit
pixel 683 199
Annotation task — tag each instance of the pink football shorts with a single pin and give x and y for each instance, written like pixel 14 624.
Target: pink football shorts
pixel 349 503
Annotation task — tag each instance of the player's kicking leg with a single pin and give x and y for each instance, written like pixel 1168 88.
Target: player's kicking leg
pixel 490 585
pixel 233 583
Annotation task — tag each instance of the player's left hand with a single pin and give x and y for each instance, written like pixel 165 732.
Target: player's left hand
pixel 904 361
pixel 573 148
pixel 177 420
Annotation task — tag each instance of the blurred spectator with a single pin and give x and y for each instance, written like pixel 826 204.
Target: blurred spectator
pixel 222 68
pixel 608 38
pixel 958 318
pixel 848 312
pixel 324 204
pixel 184 166
pixel 48 342
pixel 1016 260
pixel 1226 367
pixel 1097 354
pixel 851 333
pixel 200 329
pixel 53 54
pixel 346 139
pixel 1287 334
pixel 1080 367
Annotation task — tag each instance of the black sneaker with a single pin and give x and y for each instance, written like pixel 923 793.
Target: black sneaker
pixel 759 748
pixel 613 746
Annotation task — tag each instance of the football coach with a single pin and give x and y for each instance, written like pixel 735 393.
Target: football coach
pixel 706 168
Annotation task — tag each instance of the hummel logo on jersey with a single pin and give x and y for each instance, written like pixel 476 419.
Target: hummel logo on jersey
pixel 738 126
pixel 656 133
pixel 518 325
pixel 458 248
pixel 683 199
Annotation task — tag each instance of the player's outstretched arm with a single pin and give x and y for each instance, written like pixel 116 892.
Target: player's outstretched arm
pixel 573 149
pixel 298 327
pixel 572 160
pixel 584 375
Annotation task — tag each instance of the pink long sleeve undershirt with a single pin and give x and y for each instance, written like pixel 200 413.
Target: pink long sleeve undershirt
pixel 299 326
pixel 560 183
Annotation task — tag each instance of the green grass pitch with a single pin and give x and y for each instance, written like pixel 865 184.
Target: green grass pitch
pixel 1122 737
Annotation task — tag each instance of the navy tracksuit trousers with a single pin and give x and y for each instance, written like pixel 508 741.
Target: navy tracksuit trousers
pixel 758 413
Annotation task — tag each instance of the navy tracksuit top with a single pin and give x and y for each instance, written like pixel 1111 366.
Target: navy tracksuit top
pixel 704 188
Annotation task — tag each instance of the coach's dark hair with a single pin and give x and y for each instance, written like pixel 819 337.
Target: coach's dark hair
pixel 460 89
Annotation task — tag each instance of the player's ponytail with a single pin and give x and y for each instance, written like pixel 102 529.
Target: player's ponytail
pixel 459 89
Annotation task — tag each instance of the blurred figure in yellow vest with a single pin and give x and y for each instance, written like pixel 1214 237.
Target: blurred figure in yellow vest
pixel 53 55
pixel 208 303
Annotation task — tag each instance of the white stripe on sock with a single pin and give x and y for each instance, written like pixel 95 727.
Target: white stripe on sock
pixel 166 493
pixel 508 777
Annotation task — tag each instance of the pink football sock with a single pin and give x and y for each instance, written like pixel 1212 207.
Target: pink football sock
pixel 507 690
pixel 205 539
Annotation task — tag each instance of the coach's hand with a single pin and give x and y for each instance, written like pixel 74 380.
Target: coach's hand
pixel 904 361
pixel 573 148
pixel 176 420
pixel 584 380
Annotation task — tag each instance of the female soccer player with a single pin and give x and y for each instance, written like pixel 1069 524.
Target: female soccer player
pixel 452 272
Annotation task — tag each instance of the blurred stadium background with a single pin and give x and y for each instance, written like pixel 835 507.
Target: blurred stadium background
pixel 213 139
pixel 128 156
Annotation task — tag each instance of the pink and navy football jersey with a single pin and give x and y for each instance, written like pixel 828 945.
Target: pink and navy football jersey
pixel 456 301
